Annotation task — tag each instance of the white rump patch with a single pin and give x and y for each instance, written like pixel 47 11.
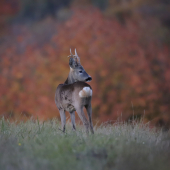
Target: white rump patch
pixel 86 92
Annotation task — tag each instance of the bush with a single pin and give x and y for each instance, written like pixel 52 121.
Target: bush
pixel 102 4
pixel 38 9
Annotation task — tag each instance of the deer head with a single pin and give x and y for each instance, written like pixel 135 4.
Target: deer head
pixel 77 72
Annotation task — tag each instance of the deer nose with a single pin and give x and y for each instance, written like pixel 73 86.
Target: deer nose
pixel 88 79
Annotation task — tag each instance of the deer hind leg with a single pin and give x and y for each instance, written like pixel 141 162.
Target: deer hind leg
pixel 72 115
pixel 89 112
pixel 83 118
pixel 63 119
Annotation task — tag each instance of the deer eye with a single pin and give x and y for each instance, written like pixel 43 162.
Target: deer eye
pixel 80 71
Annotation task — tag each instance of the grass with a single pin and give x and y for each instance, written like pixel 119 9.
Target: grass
pixel 35 145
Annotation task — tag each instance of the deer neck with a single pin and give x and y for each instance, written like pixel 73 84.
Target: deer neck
pixel 70 79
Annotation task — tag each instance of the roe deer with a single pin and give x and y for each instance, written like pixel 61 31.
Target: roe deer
pixel 75 94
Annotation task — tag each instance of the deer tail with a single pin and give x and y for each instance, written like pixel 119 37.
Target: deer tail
pixel 85 92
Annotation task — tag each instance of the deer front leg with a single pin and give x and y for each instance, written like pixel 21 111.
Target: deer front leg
pixel 72 115
pixel 63 119
pixel 89 112
pixel 83 118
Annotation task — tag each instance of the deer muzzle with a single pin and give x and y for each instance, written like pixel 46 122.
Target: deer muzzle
pixel 88 79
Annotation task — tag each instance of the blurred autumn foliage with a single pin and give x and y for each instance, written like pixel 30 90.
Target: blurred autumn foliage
pixel 127 55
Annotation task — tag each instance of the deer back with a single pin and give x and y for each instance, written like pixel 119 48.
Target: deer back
pixel 71 96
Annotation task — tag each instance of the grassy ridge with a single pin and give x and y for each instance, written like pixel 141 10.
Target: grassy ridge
pixel 34 145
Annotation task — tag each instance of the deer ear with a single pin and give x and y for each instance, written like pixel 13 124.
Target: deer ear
pixel 72 63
